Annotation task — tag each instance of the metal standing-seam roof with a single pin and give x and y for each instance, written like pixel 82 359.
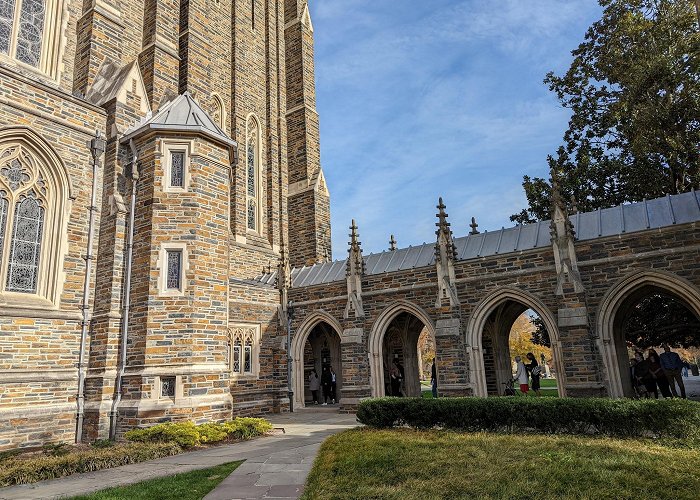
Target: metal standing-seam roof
pixel 628 218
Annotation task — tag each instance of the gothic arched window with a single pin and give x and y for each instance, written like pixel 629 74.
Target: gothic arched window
pixel 253 194
pixel 30 31
pixel 244 356
pixel 33 200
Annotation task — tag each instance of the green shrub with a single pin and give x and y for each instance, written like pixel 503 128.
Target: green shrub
pixel 23 470
pixel 668 418
pixel 187 434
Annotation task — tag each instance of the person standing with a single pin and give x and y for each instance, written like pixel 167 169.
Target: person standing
pixel 521 375
pixel 402 387
pixel 658 373
pixel 535 371
pixel 643 375
pixel 334 387
pixel 672 364
pixel 433 380
pixel 314 385
pixel 395 380
pixel 326 381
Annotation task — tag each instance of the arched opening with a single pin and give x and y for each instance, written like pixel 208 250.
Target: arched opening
pixel 509 323
pixel 394 350
pixel 641 315
pixel 315 346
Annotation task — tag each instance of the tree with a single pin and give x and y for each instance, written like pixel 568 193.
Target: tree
pixel 520 340
pixel 634 92
pixel 659 319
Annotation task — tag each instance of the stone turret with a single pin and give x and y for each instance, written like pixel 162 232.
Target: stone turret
pixel 354 273
pixel 562 232
pixel 445 255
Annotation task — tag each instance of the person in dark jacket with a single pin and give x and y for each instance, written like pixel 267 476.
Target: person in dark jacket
pixel 658 373
pixel 643 375
pixel 326 381
pixel 433 380
pixel 334 386
pixel 534 370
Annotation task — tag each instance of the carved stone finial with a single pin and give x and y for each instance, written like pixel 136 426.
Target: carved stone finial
pixel 562 237
pixel 574 207
pixel 355 271
pixel 284 283
pixel 474 227
pixel 392 243
pixel 445 255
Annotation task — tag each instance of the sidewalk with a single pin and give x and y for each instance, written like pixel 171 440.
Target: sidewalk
pixel 275 465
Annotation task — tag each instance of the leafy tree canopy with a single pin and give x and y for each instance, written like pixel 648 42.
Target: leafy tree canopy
pixel 634 92
pixel 659 319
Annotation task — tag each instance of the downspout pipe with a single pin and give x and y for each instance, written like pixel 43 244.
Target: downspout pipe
pixel 290 386
pixel 124 333
pixel 97 147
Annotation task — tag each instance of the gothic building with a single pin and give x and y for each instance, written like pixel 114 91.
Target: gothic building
pixel 164 223
pixel 168 148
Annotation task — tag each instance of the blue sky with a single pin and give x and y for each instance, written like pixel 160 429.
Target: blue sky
pixel 421 99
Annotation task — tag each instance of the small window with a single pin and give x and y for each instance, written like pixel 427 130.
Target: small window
pixel 167 387
pixel 177 169
pixel 237 356
pixel 174 266
pixel 248 365
pixel 245 341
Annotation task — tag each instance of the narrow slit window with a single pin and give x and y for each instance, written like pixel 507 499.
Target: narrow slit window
pixel 177 169
pixel 237 356
pixel 4 204
pixel 248 363
pixel 174 263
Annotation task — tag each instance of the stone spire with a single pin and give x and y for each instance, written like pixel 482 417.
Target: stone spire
pixel 562 237
pixel 474 227
pixel 445 255
pixel 284 283
pixel 392 243
pixel 354 273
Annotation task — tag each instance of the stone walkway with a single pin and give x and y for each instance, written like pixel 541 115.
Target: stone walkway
pixel 275 466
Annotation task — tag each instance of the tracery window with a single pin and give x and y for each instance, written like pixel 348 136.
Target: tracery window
pixel 29 32
pixel 32 199
pixel 253 181
pixel 244 356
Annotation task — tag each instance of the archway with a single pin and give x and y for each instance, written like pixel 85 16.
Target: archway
pixel 631 303
pixel 488 333
pixel 317 344
pixel 394 339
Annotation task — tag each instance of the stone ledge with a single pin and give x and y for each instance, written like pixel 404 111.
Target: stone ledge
pixel 572 316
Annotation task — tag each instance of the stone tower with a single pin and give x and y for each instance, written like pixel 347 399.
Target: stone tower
pixel 309 200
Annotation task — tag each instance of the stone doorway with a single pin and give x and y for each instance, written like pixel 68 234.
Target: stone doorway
pixel 321 349
pixel 400 347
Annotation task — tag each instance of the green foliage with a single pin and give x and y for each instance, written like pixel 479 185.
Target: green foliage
pixel 633 88
pixel 659 319
pixel 24 470
pixel 102 443
pixel 193 485
pixel 56 449
pixel 669 418
pixel 188 435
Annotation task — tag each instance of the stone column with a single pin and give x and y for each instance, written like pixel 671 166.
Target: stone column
pixel 355 376
pixel 451 359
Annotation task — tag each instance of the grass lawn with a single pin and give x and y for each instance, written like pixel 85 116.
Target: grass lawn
pixel 403 463
pixel 193 485
pixel 548 383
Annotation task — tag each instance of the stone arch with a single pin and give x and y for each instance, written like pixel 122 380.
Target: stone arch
pixel 610 305
pixel 49 177
pixel 297 349
pixel 477 322
pixel 376 337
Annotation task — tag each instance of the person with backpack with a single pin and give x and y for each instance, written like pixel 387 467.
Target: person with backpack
pixel 535 371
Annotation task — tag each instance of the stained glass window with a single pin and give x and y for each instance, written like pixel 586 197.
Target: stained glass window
pixel 25 245
pixel 7 17
pixel 174 263
pixel 4 203
pixel 248 361
pixel 167 387
pixel 251 214
pixel 31 30
pixel 251 167
pixel 177 169
pixel 237 356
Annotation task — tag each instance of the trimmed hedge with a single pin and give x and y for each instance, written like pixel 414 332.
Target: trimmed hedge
pixel 188 435
pixel 668 418
pixel 30 469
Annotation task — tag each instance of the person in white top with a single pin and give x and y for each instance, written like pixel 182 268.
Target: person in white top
pixel 521 375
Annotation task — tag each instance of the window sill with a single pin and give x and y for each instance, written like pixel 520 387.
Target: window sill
pixel 33 307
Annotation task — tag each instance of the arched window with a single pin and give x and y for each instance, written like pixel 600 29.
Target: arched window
pixel 244 355
pixel 253 181
pixel 218 108
pixel 33 200
pixel 30 31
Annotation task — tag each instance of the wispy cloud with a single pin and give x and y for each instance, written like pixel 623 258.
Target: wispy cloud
pixel 440 98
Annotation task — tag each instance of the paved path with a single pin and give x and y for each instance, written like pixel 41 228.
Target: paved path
pixel 275 465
